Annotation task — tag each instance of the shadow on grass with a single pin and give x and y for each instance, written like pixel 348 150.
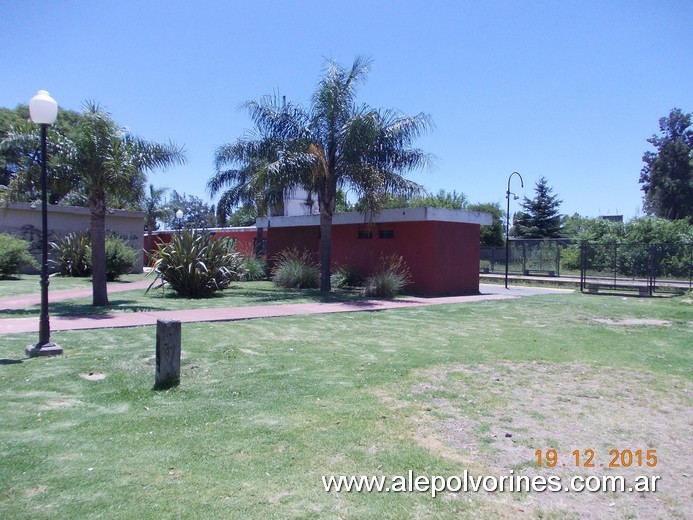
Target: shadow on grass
pixel 11 361
pixel 69 309
pixel 281 295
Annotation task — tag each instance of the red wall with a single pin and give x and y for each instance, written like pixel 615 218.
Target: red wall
pixel 443 257
pixel 244 238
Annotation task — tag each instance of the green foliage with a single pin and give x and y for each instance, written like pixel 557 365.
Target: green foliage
pixel 243 216
pixel 493 235
pixel 197 214
pixel 253 269
pixel 389 278
pixel 570 258
pixel 540 218
pixel 443 199
pixel 120 257
pixel 195 265
pixel 667 177
pixel 345 276
pixel 72 254
pixel 295 269
pixel 14 253
pixel 629 248
pixel 154 208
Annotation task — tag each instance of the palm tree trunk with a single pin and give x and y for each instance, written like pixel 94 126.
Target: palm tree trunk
pixel 325 250
pixel 97 230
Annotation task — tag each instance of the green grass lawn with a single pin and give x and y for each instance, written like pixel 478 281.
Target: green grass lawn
pixel 241 294
pixel 29 284
pixel 266 407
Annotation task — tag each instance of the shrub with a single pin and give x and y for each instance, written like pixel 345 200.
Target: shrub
pixel 390 277
pixel 296 269
pixel 72 254
pixel 253 269
pixel 14 253
pixel 195 265
pixel 120 257
pixel 345 276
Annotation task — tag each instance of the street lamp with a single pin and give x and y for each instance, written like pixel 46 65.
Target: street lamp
pixel 179 216
pixel 507 223
pixel 43 111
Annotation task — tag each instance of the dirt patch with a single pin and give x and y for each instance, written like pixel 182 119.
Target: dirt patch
pixel 635 322
pixel 93 376
pixel 491 419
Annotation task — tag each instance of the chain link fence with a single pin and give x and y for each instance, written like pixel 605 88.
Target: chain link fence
pixel 647 268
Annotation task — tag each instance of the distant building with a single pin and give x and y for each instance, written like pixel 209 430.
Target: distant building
pixel 298 202
pixel 612 218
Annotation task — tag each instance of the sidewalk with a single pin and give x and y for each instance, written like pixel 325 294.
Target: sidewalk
pixel 135 319
pixel 18 302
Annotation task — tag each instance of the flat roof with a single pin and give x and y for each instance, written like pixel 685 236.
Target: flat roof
pixel 384 216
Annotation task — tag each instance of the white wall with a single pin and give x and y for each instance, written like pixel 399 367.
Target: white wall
pixel 23 220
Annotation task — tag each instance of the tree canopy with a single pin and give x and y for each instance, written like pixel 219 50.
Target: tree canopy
pixel 541 217
pixel 667 177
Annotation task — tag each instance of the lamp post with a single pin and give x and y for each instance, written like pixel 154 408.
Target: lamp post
pixel 179 216
pixel 43 110
pixel 507 223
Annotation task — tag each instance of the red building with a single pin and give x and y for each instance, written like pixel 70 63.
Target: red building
pixel 245 237
pixel 440 246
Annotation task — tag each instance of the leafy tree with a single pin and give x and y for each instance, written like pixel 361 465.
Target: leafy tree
pixel 20 159
pixel 442 199
pixel 342 205
pixel 246 215
pixel 333 144
pixel 540 218
pixel 667 177
pixel 491 236
pixel 197 214
pixel 108 164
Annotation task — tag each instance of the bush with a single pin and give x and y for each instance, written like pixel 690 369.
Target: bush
pixel 253 269
pixel 195 265
pixel 14 253
pixel 72 254
pixel 120 257
pixel 296 269
pixel 391 276
pixel 345 276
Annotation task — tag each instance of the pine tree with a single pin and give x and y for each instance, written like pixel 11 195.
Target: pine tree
pixel 541 217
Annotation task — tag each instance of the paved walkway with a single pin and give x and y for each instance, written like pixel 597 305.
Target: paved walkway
pixel 19 302
pixel 134 319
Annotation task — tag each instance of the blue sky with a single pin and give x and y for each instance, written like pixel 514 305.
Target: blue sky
pixel 569 90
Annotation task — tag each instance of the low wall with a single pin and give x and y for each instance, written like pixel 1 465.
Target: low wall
pixel 23 220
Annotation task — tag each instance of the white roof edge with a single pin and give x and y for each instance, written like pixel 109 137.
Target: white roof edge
pixel 385 216
pixel 76 210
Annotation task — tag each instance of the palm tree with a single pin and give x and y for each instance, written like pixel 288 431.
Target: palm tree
pixel 97 162
pixel 113 163
pixel 335 144
pixel 154 209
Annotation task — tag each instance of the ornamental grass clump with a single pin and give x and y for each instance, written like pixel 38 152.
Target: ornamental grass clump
pixel 72 254
pixel 195 265
pixel 345 276
pixel 294 269
pixel 389 278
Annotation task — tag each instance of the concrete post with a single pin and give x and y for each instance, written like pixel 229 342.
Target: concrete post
pixel 168 343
